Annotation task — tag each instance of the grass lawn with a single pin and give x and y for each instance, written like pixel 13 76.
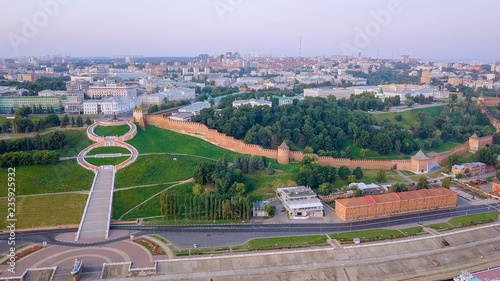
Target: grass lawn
pixel 150 208
pixel 373 155
pixel 108 150
pixel 106 161
pixel 283 242
pixel 367 235
pixel 106 131
pixel 262 186
pixel 77 141
pixel 61 177
pixel 127 199
pixel 149 169
pixel 43 210
pixel 155 139
pixel 441 147
pixel 440 226
pixel 474 219
pixel 411 231
pixel 408 116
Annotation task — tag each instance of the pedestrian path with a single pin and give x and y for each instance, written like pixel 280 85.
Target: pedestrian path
pixel 97 214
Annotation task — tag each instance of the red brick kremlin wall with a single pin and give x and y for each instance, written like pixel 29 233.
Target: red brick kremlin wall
pixel 285 156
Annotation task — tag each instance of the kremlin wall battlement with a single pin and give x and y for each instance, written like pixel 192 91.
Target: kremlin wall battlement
pixel 418 163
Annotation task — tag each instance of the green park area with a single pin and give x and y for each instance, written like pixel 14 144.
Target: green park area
pixel 376 234
pixel 157 140
pixel 108 150
pixel 45 211
pixel 106 161
pixel 409 116
pixel 262 244
pixel 465 221
pixel 64 176
pixel 106 131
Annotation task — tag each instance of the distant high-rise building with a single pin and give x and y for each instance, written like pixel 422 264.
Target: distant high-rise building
pixel 203 57
pixel 130 60
pixel 405 59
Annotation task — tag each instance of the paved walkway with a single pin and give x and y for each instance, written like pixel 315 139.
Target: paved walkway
pixel 97 214
pixel 405 177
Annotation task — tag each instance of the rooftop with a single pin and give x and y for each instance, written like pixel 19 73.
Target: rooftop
pixel 297 191
pixel 393 197
pixel 420 155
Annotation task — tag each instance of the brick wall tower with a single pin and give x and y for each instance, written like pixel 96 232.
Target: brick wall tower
pixel 283 154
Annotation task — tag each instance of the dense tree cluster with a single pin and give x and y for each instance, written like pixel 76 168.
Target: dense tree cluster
pixel 223 179
pixel 55 140
pixel 368 101
pixel 21 158
pixel 487 154
pixel 204 207
pixel 249 164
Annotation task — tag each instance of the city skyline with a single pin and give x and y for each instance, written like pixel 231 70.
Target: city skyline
pixel 448 30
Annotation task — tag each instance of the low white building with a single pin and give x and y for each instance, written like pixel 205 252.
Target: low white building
pixel 178 94
pixel 300 201
pixel 252 102
pixel 181 116
pixel 195 108
pixel 109 106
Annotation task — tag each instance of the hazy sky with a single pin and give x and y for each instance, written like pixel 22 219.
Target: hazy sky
pixel 438 30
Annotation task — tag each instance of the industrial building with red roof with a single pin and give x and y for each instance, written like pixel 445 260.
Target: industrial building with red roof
pixel 373 206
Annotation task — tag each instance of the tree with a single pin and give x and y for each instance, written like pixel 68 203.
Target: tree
pixel 359 193
pixel 399 187
pixel 351 179
pixel 363 152
pixel 308 149
pixel 88 121
pixel 270 170
pixel 422 183
pixel 344 172
pixel 358 173
pixel 73 123
pixel 79 121
pixel 486 155
pixel 398 117
pixel 325 188
pixel 446 182
pixel 452 159
pixel 497 172
pixel 380 176
pixel 65 121
pixel 23 112
pixel 198 189
pixel 270 210
pixel 224 160
pixel 52 120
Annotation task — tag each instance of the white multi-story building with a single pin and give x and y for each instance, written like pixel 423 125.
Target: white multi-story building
pixel 178 94
pixel 300 201
pixel 70 101
pixel 110 105
pixel 252 102
pixel 112 90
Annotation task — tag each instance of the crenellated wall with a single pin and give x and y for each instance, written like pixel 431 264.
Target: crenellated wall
pixel 285 156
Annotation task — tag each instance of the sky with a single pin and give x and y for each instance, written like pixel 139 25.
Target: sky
pixel 452 30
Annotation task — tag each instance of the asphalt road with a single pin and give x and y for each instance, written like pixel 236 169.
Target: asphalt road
pixel 227 235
